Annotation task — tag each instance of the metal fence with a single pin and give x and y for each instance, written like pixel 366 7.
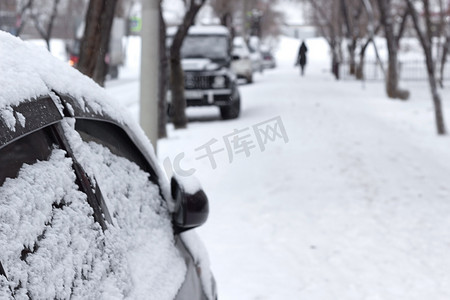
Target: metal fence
pixel 411 70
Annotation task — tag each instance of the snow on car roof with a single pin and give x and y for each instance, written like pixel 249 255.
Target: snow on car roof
pixel 28 71
pixel 202 30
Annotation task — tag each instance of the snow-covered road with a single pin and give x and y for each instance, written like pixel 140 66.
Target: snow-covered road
pixel 354 205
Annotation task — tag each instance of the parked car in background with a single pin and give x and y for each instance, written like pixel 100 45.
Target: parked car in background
pixel 116 53
pixel 255 54
pixel 85 210
pixel 206 59
pixel 268 61
pixel 242 63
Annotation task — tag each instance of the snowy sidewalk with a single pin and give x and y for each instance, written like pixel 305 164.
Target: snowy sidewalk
pixel 354 206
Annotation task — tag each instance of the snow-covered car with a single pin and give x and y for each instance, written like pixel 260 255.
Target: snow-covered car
pixel 255 54
pixel 268 61
pixel 241 64
pixel 85 210
pixel 206 58
pixel 115 55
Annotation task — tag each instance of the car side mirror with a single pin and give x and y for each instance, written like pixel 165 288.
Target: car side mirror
pixel 191 209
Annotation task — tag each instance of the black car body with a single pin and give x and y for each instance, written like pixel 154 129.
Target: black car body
pixel 85 210
pixel 206 58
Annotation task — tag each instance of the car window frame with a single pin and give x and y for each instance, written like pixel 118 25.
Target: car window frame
pixel 96 130
pixel 78 112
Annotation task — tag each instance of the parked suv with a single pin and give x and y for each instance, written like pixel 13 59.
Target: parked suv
pixel 206 58
pixel 85 210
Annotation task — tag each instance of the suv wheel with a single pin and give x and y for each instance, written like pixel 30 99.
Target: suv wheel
pixel 231 111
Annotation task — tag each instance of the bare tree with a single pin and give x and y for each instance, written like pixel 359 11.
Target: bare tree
pixel 271 22
pixel 176 71
pixel 425 35
pixel 444 54
pixel 23 9
pixel 226 11
pixel 354 27
pixel 44 19
pixel 327 17
pixel 362 54
pixel 95 41
pixel 256 17
pixel 392 78
pixel 443 39
pixel 373 25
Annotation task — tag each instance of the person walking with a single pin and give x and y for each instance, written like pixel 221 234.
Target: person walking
pixel 301 57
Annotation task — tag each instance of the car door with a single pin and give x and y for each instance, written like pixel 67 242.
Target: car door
pixel 142 221
pixel 129 185
pixel 82 216
pixel 50 245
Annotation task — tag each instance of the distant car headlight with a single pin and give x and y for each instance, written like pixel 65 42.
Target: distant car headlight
pixel 219 82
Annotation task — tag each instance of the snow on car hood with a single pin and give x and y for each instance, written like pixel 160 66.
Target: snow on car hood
pixel 28 71
pixel 198 64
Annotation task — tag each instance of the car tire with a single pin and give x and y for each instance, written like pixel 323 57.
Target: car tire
pixel 231 111
pixel 250 78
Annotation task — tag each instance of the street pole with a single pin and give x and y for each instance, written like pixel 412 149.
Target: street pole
pixel 148 115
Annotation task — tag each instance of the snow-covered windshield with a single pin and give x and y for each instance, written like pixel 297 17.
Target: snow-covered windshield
pixel 205 46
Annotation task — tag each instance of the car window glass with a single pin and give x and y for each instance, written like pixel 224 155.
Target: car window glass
pixel 115 139
pixel 140 216
pixel 50 246
pixel 205 46
pixel 26 150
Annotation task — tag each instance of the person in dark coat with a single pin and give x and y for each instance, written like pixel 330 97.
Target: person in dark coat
pixel 301 57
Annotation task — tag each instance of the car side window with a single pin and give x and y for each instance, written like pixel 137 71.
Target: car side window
pixel 140 217
pixel 47 227
pixel 26 150
pixel 115 139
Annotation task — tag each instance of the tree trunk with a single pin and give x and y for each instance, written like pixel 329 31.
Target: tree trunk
pixel 95 42
pixel 176 71
pixel 425 41
pixel 178 102
pixel 20 21
pixel 392 77
pixel 362 56
pixel 46 33
pixel 162 107
pixel 439 116
pixel 349 33
pixel 445 51
pixel 335 64
pixel 351 52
